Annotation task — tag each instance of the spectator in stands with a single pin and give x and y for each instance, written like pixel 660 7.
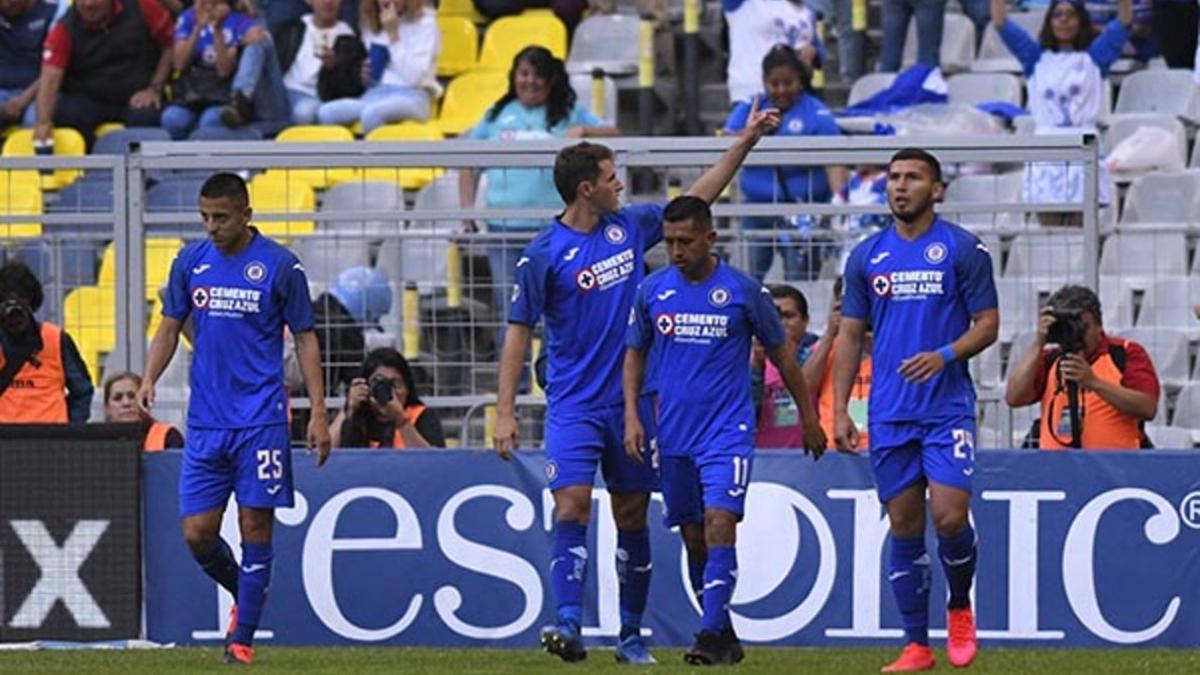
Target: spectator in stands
pixel 278 12
pixel 402 41
pixel 384 410
pixel 305 48
pixel 23 27
pixel 206 59
pixel 930 18
pixel 568 11
pixel 755 27
pixel 1117 386
pixel 120 405
pixel 779 424
pixel 357 300
pixel 539 104
pixel 818 373
pixel 38 360
pixel 1065 70
pixel 104 61
pixel 786 81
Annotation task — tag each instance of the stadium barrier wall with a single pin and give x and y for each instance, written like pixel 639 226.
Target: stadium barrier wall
pixel 451 549
pixel 70 532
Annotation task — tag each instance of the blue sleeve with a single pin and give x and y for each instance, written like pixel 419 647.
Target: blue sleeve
pixel 738 116
pixel 973 265
pixel 731 5
pixel 177 303
pixel 482 129
pixel 183 27
pixel 764 317
pixel 640 333
pixel 648 220
pixel 1024 47
pixel 856 303
pixel 529 292
pixel 1106 48
pixel 291 288
pixel 583 116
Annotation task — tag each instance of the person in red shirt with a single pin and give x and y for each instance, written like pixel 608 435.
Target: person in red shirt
pixel 1117 386
pixel 104 61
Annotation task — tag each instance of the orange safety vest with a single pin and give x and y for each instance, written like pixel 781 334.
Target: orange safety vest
pixel 413 412
pixel 37 394
pixel 859 391
pixel 156 436
pixel 1104 427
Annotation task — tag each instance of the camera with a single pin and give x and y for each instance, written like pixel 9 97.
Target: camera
pixel 381 390
pixel 1067 329
pixel 11 309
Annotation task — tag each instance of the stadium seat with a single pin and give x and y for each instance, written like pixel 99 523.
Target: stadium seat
pixel 1169 303
pixel 1187 408
pixel 460 45
pixel 364 196
pixel 1124 125
pixel 985 367
pixel 117 142
pixel 1046 256
pixel 222 133
pixel 1161 90
pixel 608 42
pixel 67 143
pixel 271 193
pixel 20 195
pixel 1169 438
pixel 508 35
pixel 325 257
pixel 1163 200
pixel 1018 306
pixel 1117 301
pixel 89 315
pixel 585 89
pixel 175 196
pixel 1005 188
pixel 410 178
pixel 1168 349
pixel 994 55
pixel 158 254
pixel 1146 254
pixel 83 197
pixel 106 128
pixel 868 85
pixel 468 97
pixel 976 88
pixel 423 260
pixel 64 264
pixel 463 8
pixel 316 133
pixel 958 44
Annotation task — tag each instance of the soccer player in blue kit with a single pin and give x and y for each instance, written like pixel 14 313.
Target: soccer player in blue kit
pixel 580 273
pixel 698 316
pixel 240 288
pixel 925 287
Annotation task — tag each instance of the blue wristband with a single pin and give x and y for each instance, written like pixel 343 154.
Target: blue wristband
pixel 947 354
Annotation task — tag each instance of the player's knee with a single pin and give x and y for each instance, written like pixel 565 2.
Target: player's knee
pixel 720 528
pixel 629 510
pixel 693 542
pixel 199 537
pixel 950 524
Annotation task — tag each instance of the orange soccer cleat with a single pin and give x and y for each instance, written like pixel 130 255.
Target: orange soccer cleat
pixel 914 657
pixel 961 645
pixel 239 653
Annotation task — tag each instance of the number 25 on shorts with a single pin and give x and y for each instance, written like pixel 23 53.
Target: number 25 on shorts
pixel 269 465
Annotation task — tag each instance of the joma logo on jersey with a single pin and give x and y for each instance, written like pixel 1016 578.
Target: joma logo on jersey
pixel 608 272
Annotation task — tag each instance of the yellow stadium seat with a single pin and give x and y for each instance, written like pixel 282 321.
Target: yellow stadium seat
pixel 412 178
pixel 89 315
pixel 463 8
pixel 510 34
pixel 468 97
pixel 273 193
pixel 107 128
pixel 460 46
pixel 319 179
pixel 67 141
pixel 20 195
pixel 159 254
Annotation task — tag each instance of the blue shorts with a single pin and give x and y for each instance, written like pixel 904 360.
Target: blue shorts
pixel 705 480
pixel 940 451
pixel 254 463
pixel 577 441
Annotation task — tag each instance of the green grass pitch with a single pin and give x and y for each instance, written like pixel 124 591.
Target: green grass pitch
pixel 359 661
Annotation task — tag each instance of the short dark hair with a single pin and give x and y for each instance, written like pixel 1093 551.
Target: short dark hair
pixel 576 164
pixel 17 279
pixel 388 356
pixel 689 207
pixel 112 380
pixel 225 185
pixel 921 156
pixel 1079 298
pixel 783 291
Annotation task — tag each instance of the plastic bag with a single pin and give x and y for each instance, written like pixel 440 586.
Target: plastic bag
pixel 1146 149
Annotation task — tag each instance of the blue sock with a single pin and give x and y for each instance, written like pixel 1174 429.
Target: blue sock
pixel 568 569
pixel 720 575
pixel 218 563
pixel 958 561
pixel 909 573
pixel 633 573
pixel 253 580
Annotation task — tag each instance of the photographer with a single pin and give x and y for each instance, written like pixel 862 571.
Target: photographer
pixel 383 409
pixel 1110 381
pixel 38 361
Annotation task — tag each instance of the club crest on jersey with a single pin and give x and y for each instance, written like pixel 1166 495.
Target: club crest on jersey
pixel 551 470
pixel 935 253
pixel 665 324
pixel 615 234
pixel 200 297
pixel 881 284
pixel 719 296
pixel 795 125
pixel 255 272
pixel 586 279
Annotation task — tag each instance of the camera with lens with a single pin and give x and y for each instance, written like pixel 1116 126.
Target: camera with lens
pixel 11 309
pixel 1067 330
pixel 381 390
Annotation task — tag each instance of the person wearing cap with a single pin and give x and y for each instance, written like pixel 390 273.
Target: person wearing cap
pixel 358 298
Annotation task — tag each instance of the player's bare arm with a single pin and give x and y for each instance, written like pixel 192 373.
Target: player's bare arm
pixel 784 359
pixel 162 348
pixel 632 375
pixel 709 186
pixel 512 360
pixel 985 327
pixel 308 351
pixel 847 352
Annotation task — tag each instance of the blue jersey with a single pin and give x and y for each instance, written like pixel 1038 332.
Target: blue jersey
pixel 807 117
pixel 700 333
pixel 233 29
pixel 919 296
pixel 240 304
pixel 584 284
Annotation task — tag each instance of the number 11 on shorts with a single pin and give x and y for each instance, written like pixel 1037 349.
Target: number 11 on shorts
pixel 741 471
